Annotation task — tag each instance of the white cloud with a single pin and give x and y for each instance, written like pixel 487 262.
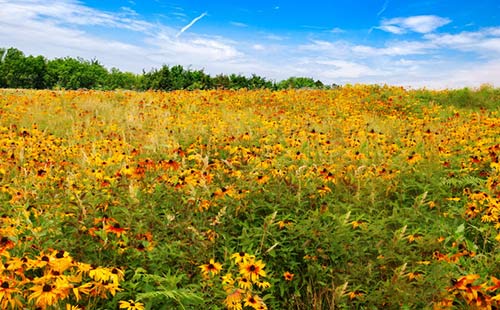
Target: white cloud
pixel 396 48
pixel 485 41
pixel 420 24
pixel 258 47
pixel 392 29
pixel 335 69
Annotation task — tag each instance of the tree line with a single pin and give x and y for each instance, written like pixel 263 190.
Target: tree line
pixel 37 72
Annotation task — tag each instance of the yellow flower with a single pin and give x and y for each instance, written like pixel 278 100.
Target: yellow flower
pixel 45 295
pixel 233 300
pixel 228 278
pixel 10 295
pixel 131 305
pixel 253 301
pixel 211 268
pixel 253 269
pixel 241 257
pixel 263 284
pixel 102 274
pixel 244 283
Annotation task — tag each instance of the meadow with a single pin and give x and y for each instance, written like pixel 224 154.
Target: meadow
pixel 361 197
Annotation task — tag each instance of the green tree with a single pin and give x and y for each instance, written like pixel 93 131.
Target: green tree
pixel 257 82
pixel 33 72
pixel 116 79
pixel 221 81
pixel 299 82
pixel 71 73
pixel 18 71
pixel 199 80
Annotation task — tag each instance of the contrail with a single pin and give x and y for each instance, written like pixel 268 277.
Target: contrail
pixel 190 24
pixel 386 3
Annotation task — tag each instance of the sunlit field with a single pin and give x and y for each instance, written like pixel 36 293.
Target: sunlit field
pixel 361 197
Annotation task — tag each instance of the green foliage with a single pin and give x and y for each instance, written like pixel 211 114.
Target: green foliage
pixel 486 97
pixel 116 79
pixel 18 71
pixel 70 73
pixel 161 292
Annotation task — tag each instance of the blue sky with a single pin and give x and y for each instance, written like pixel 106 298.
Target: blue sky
pixel 429 43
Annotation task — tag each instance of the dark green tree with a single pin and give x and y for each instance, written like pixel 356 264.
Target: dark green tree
pixel 257 82
pixel 221 81
pixel 18 71
pixel 71 73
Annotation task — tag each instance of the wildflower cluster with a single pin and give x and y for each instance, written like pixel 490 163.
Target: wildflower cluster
pixel 477 295
pixel 365 191
pixel 243 287
pixel 53 279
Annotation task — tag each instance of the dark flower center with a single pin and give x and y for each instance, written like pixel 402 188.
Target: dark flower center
pixel 47 288
pixel 60 254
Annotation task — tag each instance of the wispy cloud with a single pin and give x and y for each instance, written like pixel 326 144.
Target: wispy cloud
pixel 191 24
pixel 337 30
pixel 419 23
pixel 485 41
pixel 238 24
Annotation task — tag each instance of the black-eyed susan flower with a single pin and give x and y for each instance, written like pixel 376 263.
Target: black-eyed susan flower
pixel 465 284
pixel 72 307
pixel 244 283
pixel 45 294
pixel 115 229
pixel 10 295
pixel 227 279
pixel 102 274
pixel 495 286
pixel 263 284
pixel 253 301
pixel 131 305
pixel 288 276
pixel 234 299
pixel 212 268
pixel 252 269
pixel 241 257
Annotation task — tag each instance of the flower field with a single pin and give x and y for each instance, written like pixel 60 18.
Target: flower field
pixel 361 197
